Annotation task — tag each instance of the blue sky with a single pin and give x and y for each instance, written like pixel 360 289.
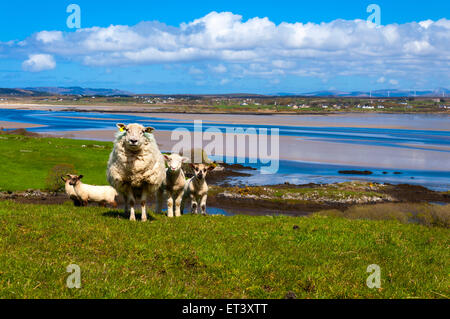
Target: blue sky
pixel 220 51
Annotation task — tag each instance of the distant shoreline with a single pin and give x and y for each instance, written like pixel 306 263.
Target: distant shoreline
pixel 197 109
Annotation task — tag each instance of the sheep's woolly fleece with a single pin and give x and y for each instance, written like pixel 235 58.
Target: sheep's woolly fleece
pixel 128 169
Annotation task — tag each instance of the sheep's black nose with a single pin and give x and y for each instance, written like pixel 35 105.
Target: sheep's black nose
pixel 133 141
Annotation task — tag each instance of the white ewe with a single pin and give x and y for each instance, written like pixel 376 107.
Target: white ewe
pixel 69 190
pixel 173 186
pixel 92 193
pixel 136 166
pixel 196 188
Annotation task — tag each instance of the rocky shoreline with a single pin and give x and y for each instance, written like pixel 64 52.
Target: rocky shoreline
pixel 287 199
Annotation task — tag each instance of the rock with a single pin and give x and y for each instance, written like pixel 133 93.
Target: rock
pixel 355 172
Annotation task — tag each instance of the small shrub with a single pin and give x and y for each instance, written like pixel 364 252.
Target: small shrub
pixel 53 181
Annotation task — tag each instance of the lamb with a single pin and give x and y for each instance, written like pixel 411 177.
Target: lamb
pixel 173 186
pixel 90 193
pixel 70 191
pixel 136 166
pixel 196 188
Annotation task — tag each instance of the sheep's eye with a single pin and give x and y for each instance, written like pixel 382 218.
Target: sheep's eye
pixel 204 170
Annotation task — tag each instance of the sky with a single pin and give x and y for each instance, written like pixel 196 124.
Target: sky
pixel 226 46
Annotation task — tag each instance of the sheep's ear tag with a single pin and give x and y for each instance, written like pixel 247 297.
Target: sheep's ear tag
pixel 121 129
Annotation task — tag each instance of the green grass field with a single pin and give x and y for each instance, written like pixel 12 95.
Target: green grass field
pixel 27 161
pixel 215 256
pixel 194 256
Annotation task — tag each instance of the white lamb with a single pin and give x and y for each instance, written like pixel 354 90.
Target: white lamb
pixel 196 188
pixel 70 191
pixel 136 166
pixel 173 186
pixel 92 193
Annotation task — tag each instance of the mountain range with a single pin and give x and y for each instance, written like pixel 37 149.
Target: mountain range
pixel 45 91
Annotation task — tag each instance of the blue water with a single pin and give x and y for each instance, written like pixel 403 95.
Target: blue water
pixel 296 172
pixel 420 137
pixel 64 121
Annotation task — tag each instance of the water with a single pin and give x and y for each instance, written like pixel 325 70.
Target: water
pixel 313 148
pixel 297 172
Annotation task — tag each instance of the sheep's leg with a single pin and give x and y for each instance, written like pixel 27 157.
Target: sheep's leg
pixel 193 205
pixel 126 206
pixel 159 200
pixel 132 202
pixel 143 204
pixel 183 201
pixel 178 199
pixel 170 206
pixel 203 204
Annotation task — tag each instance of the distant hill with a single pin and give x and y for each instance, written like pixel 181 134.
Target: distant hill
pixel 76 90
pixel 19 92
pixel 376 93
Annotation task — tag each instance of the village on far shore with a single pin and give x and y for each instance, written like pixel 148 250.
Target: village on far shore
pixel 319 102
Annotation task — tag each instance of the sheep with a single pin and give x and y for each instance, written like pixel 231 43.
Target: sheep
pixel 173 186
pixel 90 193
pixel 70 191
pixel 196 188
pixel 136 166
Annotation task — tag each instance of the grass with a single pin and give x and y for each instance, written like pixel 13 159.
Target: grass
pixel 27 160
pixel 215 257
pixel 422 213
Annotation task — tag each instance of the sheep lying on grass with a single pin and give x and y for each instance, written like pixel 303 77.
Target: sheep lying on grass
pixel 196 188
pixel 173 186
pixel 70 191
pixel 90 193
pixel 136 166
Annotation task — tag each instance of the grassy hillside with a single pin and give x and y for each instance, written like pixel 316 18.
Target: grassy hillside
pixel 26 161
pixel 215 257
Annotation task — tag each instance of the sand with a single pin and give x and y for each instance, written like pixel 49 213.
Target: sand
pixel 15 125
pixel 309 150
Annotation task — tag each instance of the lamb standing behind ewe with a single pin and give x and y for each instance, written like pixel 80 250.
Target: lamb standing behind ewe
pixel 136 166
pixel 173 186
pixel 92 193
pixel 70 191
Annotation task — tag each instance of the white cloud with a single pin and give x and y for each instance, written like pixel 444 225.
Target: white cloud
pixel 393 82
pixel 381 80
pixel 259 46
pixel 39 62
pixel 219 68
pixel 49 36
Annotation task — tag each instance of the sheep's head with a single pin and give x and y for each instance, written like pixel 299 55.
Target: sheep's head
pixel 200 170
pixel 73 179
pixel 174 161
pixel 134 135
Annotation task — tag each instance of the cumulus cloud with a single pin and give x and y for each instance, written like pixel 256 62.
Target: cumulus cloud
pixel 39 62
pixel 256 47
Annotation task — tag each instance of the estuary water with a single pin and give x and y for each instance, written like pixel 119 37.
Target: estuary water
pixel 397 148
